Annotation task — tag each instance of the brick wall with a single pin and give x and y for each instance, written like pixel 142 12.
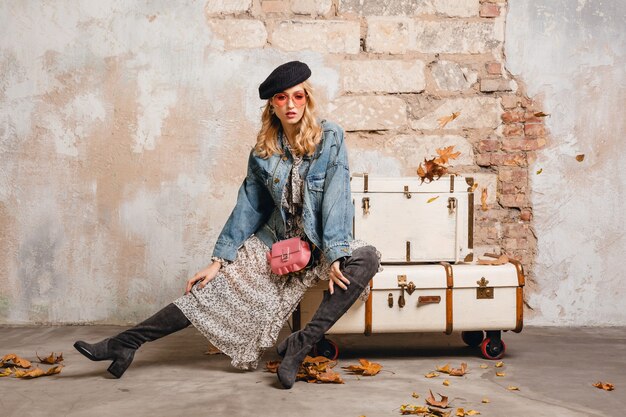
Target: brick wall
pixel 403 65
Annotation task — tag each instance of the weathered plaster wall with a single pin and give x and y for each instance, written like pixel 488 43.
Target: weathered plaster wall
pixel 573 56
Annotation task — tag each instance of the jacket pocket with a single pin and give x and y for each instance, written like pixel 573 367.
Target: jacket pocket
pixel 316 183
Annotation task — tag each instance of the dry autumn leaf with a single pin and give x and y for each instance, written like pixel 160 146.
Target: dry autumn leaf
pixel 212 350
pixel 483 366
pixel 445 154
pixel 446 382
pixel 541 114
pixel 460 412
pixel 472 413
pixel 13 359
pixel 407 409
pixel 607 386
pixel 471 190
pixel 431 170
pixel 430 200
pixel 272 366
pixel 500 364
pixel 329 376
pixel 483 200
pixel 490 260
pixel 485 401
pixel 539 171
pixel 500 374
pixel 366 368
pixel 415 395
pixel 580 157
pixel 442 403
pixel 318 369
pixel 50 360
pixel 512 388
pixel 37 372
pixel 431 375
pixel 5 372
pixel 443 121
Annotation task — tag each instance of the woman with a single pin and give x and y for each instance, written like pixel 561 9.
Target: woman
pixel 297 185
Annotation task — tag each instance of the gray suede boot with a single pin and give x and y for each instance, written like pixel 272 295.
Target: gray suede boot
pixel 121 348
pixel 359 268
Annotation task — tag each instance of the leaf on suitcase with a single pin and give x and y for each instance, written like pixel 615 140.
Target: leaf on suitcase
pixel 50 360
pixel 483 200
pixel 431 375
pixel 272 366
pixel 489 260
pixel 446 154
pixel 366 368
pixel 443 121
pixel 607 386
pixel 430 200
pixel 407 409
pixel 442 403
pixel 430 170
pixel 13 359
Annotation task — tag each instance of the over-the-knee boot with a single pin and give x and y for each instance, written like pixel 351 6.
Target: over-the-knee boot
pixel 359 268
pixel 121 348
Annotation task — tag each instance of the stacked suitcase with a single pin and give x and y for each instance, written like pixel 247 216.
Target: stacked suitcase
pixel 430 281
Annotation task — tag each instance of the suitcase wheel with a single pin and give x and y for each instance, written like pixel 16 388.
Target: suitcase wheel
pixel 492 350
pixel 473 339
pixel 326 348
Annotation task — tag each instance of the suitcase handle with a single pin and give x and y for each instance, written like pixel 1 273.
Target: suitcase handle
pixel 429 299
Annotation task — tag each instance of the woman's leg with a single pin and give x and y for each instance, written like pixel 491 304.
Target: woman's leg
pixel 359 268
pixel 121 348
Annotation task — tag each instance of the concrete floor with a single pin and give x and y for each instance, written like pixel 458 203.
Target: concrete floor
pixel 553 367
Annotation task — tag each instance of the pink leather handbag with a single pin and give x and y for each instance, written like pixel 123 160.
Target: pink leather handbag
pixel 289 255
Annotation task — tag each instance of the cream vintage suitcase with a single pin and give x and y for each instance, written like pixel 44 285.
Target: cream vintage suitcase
pixel 439 297
pixel 411 222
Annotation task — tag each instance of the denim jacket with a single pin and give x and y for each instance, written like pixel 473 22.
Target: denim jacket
pixel 327 203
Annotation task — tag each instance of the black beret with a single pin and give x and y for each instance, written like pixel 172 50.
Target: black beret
pixel 284 76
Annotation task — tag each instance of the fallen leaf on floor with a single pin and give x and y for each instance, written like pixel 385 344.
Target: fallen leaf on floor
pixel 431 375
pixel 445 368
pixel 366 368
pixel 483 200
pixel 13 359
pixel 442 403
pixel 5 372
pixel 512 388
pixel 318 369
pixel 472 413
pixel 486 401
pixel 580 157
pixel 37 372
pixel 406 409
pixel 50 360
pixel 462 413
pixel 329 376
pixel 438 412
pixel 499 364
pixel 607 386
pixel 415 395
pixel 443 121
pixel 446 382
pixel 539 171
pixel 500 374
pixel 483 366
pixel 430 200
pixel 453 371
pixel 272 366
pixel 212 350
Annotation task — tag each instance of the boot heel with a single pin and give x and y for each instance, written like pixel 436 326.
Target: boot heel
pixel 119 366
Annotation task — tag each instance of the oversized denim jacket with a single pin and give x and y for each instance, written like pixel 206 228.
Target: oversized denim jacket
pixel 327 203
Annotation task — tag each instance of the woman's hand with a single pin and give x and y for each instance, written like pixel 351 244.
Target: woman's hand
pixel 336 277
pixel 206 275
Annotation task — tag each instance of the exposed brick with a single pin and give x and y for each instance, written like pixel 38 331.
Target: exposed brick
pixel 509 159
pixel 489 10
pixel 513 200
pixel 390 76
pixel 513 130
pixel 214 7
pixel 312 7
pixel 275 6
pixel 369 112
pixel 516 230
pixel 514 244
pixel 513 174
pixel 388 34
pixel 453 36
pixel 488 145
pixel 331 36
pixel 490 85
pixel 521 144
pixel 513 116
pixel 526 215
pixel 510 101
pixel 493 68
pixel 534 130
pixel 483 159
pixel 239 33
pixel 530 117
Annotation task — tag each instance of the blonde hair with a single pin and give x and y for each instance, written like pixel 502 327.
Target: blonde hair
pixel 307 138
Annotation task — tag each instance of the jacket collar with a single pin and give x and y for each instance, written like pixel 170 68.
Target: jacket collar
pixel 318 150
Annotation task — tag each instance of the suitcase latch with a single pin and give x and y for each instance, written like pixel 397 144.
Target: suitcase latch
pixel 366 205
pixel 407 194
pixel 451 205
pixel 410 287
pixel 483 292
